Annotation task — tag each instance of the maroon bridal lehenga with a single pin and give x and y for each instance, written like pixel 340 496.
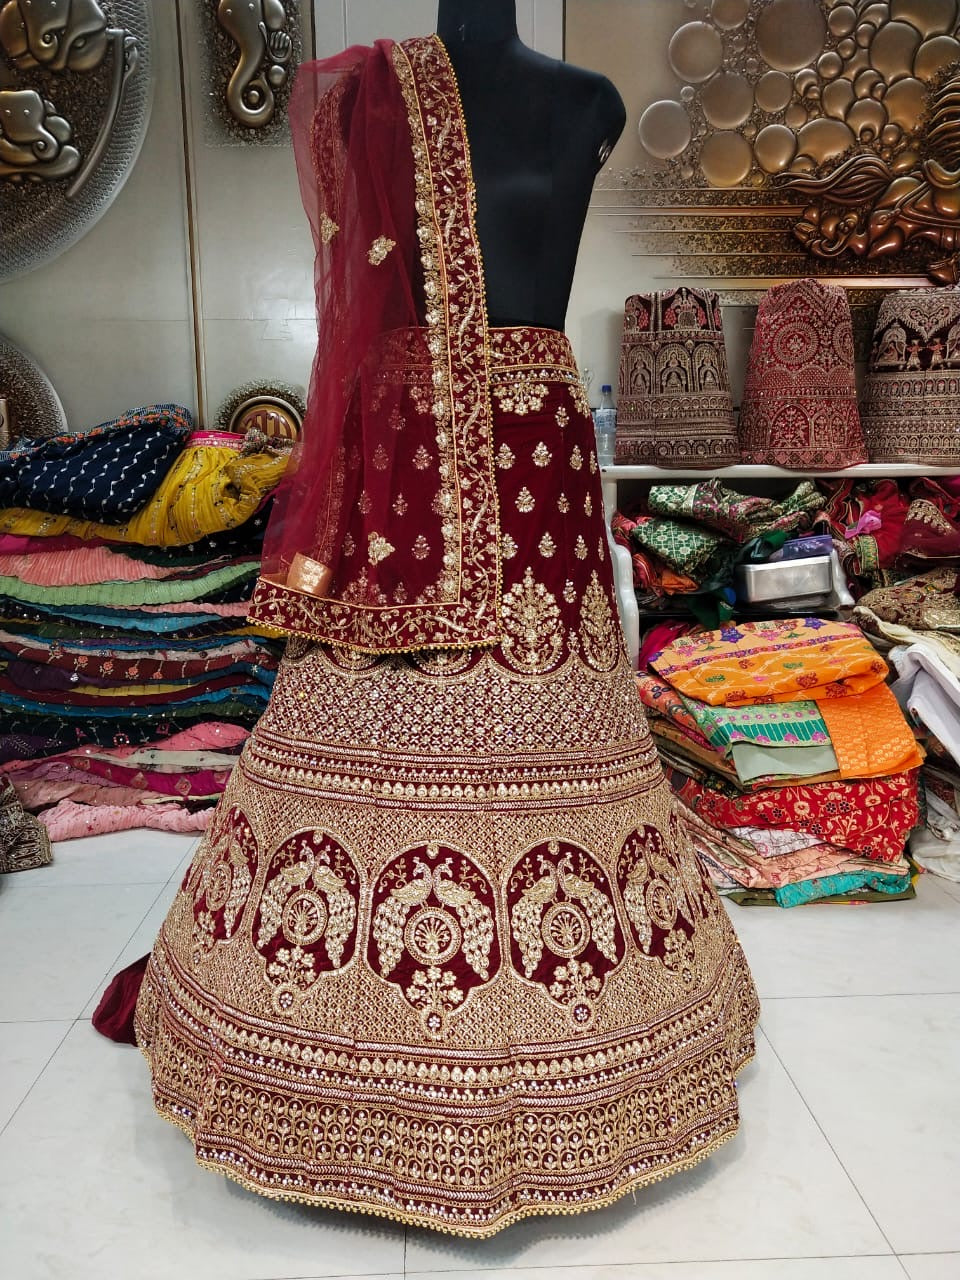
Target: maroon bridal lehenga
pixel 444 953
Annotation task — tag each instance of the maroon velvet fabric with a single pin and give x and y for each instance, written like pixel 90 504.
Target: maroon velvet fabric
pixel 113 1016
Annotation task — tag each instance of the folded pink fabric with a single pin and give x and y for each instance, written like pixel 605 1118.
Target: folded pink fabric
pixel 69 821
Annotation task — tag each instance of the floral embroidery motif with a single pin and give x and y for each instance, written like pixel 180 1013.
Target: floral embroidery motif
pixel 598 631
pixel 508 548
pixel 306 922
pixel 400 505
pixel 434 909
pixel 421 459
pixel 505 457
pixel 560 904
pixel 521 395
pixel 546 546
pixel 541 455
pixel 569 592
pixel 396 420
pixel 531 620
pixel 525 501
pixel 349 546
pixel 580 548
pixel 588 505
pixel 655 896
pixel 381 458
pixel 563 504
pixel 562 417
pixel 328 228
pixel 421 547
pixel 576 458
pixel 379 250
pixel 378 548
pixel 594 468
pixel 364 503
pixel 580 398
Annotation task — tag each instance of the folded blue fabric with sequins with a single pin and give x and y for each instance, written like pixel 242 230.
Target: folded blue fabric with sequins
pixel 105 474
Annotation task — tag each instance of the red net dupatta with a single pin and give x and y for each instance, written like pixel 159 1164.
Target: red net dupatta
pixel 384 535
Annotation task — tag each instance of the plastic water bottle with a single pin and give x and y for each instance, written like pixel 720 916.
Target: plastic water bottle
pixel 605 426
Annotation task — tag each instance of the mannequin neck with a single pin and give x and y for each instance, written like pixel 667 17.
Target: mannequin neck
pixel 481 21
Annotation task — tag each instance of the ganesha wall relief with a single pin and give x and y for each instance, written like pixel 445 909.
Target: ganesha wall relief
pixel 74 101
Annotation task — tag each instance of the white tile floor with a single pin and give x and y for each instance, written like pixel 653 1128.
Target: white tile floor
pixel 847 1166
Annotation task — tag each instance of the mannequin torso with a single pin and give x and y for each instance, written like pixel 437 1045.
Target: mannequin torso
pixel 539 131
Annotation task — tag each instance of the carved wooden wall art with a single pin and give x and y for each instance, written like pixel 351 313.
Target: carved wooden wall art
pixel 74 104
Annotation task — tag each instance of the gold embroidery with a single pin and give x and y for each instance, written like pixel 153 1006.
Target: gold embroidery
pixel 505 457
pixel 594 468
pixel 520 394
pixel 396 419
pixel 525 501
pixel 508 548
pixel 563 504
pixel 576 458
pixel 569 592
pixel 349 546
pixel 580 398
pixel 421 459
pixel 562 417
pixel 531 621
pixel 580 548
pixel 598 629
pixel 328 228
pixel 588 505
pixel 400 505
pixel 541 455
pixel 364 503
pixel 546 546
pixel 381 458
pixel 378 548
pixel 379 250
pixel 421 548
pixel 600 547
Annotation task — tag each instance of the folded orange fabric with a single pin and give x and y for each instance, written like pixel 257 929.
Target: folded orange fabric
pixel 779 661
pixel 869 734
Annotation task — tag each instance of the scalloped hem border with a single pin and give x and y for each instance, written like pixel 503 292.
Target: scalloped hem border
pixel 635 1183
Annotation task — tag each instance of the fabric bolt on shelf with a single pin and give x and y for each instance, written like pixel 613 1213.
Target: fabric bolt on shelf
pixel 890 635
pixel 212 486
pixel 664 700
pixel 872 817
pixel 740 517
pixel 44 793
pixel 62 671
pixel 799 406
pixel 686 548
pixel 774 842
pixel 930 692
pixel 674 406
pixel 105 474
pixel 927 602
pixel 779 661
pixel 911 396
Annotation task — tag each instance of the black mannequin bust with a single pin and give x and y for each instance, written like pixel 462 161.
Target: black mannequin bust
pixel 539 131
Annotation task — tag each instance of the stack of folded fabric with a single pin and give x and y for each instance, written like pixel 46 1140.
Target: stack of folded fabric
pixel 687 538
pixel 128 675
pixel 794 756
pixel 918 622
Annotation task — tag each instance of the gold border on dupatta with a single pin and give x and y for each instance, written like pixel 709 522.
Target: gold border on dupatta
pixel 464 611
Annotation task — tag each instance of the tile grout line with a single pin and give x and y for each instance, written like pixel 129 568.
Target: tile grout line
pixel 823 1133
pixel 80 1017
pixel 864 995
pixel 560 1268
pixel 36 1079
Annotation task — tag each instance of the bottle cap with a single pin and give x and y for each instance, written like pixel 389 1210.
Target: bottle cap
pixel 606 387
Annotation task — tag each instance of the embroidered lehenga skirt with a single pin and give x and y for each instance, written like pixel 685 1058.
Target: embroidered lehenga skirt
pixel 444 954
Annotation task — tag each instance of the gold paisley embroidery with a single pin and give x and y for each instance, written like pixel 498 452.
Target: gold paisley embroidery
pixel 576 458
pixel 563 504
pixel 525 501
pixel 546 546
pixel 580 548
pixel 541 455
pixel 378 548
pixel 505 457
pixel 598 631
pixel 508 548
pixel 531 621
pixel 379 250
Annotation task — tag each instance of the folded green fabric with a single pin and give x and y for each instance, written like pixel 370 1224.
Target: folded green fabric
pixel 131 594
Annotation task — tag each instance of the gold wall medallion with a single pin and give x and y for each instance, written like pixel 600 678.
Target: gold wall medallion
pixel 252 49
pixel 804 137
